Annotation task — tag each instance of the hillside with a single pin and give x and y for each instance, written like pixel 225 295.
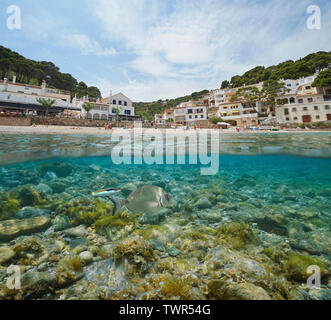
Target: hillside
pixel 286 70
pixel 34 72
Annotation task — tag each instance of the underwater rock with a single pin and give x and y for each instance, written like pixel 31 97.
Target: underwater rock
pixel 296 265
pixel 79 232
pixel 31 212
pixel 8 207
pixel 61 222
pixel 44 188
pixel 224 290
pixel 127 189
pixel 86 256
pixel 173 252
pixel 59 168
pixel 11 229
pixel 273 223
pixel 49 175
pixel 29 197
pixel 58 186
pixel 36 284
pixel 320 294
pixel 203 203
pixel 77 242
pixel 6 254
pixel 158 245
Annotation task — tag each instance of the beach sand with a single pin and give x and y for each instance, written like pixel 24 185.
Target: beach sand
pixel 96 131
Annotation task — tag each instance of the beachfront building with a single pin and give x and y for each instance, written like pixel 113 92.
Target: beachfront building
pixel 191 113
pixel 305 104
pixel 19 97
pixel 165 117
pixel 115 107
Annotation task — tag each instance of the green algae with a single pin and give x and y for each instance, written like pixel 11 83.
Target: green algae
pixel 9 206
pixel 239 235
pixel 84 211
pixel 295 267
pixel 118 221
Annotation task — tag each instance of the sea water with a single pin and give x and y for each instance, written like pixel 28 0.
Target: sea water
pixel 262 220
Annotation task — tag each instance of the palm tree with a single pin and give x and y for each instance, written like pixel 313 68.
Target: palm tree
pixel 46 103
pixel 88 107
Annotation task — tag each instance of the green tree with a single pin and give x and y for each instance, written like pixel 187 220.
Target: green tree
pixel 249 95
pixel 225 84
pixel 88 107
pixel 323 79
pixel 271 89
pixel 215 120
pixel 46 103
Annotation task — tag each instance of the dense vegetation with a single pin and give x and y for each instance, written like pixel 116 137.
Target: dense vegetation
pixel 323 79
pixel 147 110
pixel 34 72
pixel 286 70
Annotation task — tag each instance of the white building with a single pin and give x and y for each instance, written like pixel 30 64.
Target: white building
pixel 305 105
pixel 190 113
pixel 108 108
pixel 21 97
pixel 164 117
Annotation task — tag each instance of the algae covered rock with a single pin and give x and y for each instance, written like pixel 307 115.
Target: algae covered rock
pixel 61 222
pixel 11 229
pixel 203 203
pixel 28 196
pixel 8 207
pixel 35 284
pixel 295 267
pixel 6 254
pixel 86 257
pixel 30 212
pixel 320 294
pixel 60 169
pixel 224 290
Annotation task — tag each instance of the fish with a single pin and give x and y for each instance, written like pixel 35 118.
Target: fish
pixel 146 199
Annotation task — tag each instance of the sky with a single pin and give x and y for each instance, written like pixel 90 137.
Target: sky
pixel 162 49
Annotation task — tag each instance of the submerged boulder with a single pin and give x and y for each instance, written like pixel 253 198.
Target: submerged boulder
pixel 31 212
pixel 11 229
pixel 6 254
pixel 224 290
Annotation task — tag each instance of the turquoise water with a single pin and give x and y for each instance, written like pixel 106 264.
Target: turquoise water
pixel 261 220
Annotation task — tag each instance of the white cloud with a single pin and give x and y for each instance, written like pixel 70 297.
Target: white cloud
pixel 87 46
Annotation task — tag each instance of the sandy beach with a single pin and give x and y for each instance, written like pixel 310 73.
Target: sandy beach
pixel 101 131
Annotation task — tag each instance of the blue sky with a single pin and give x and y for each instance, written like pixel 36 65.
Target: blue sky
pixel 158 49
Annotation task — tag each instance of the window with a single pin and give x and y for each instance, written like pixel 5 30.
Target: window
pixel 327 107
pixel 114 101
pixel 190 117
pixel 294 109
pixel 125 104
pixel 308 87
pixel 196 117
pixel 286 111
pixel 300 100
pixel 317 117
pixel 305 108
pixel 287 119
pixel 201 116
pixel 120 102
pixel 128 112
pixel 289 85
pixel 315 107
pixel 189 111
pixel 310 99
pixel 295 118
pixel 113 111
